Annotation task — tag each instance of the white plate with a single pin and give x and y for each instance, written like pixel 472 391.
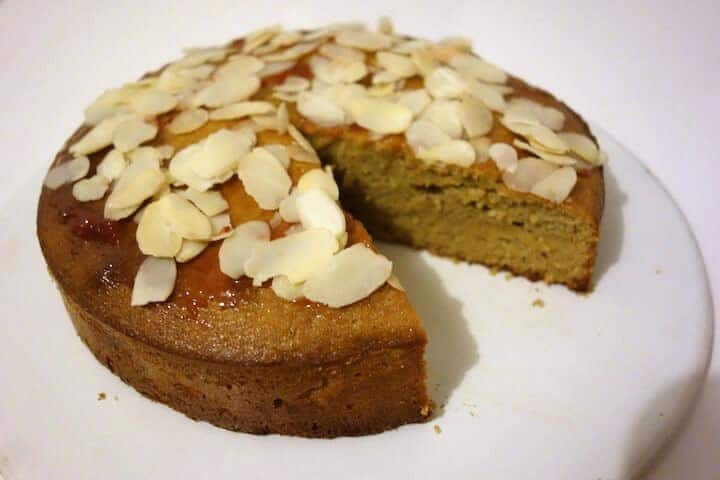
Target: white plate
pixel 585 387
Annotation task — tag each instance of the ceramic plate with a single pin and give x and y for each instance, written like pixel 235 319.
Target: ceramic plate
pixel 582 387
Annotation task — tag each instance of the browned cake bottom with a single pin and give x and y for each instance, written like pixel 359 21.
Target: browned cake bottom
pixel 370 393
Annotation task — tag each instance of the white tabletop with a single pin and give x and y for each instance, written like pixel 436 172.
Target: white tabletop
pixel 647 71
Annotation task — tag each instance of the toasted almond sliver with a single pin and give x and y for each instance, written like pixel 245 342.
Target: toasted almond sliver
pixel 293 84
pixel 282 118
pixel 227 90
pixel 260 37
pixel 288 207
pixel 284 288
pixel 154 281
pixel 385 25
pixel 504 156
pixel 424 135
pixel 145 157
pixel 112 165
pixel 67 172
pixel 240 66
pixel 350 276
pixel 89 189
pixel 188 121
pixel 189 250
pixel 132 132
pixel 545 139
pixel 547 156
pixel 384 77
pixel 482 147
pixel 111 102
pixel 134 187
pixel 317 209
pixel 299 138
pixel 99 137
pixel 529 172
pixel 409 46
pixel 238 247
pixel 476 117
pixel 446 115
pixel 210 203
pixel 280 152
pixel 182 172
pixel 424 61
pixel 292 53
pixel 454 152
pixel 382 89
pixel 337 70
pixel 299 154
pixel 478 68
pixel 221 226
pixel 296 256
pixel 581 145
pixel 201 55
pixel 154 235
pixel 275 68
pixel 488 95
pixel 380 116
pixel 335 51
pixel 152 102
pixel 184 218
pixel 400 65
pixel 264 178
pixel 548 116
pixel 320 110
pixel 557 186
pixel 321 180
pixel 364 40
pixel 221 152
pixel 444 82
pixel 241 109
pixel 415 100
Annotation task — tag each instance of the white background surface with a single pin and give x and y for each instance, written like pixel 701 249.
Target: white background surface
pixel 648 72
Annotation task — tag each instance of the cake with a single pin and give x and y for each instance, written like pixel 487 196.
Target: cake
pixel 207 225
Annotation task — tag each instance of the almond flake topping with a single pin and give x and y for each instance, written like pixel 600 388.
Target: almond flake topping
pixel 446 115
pixel 221 152
pixel 153 102
pixel 239 246
pixel 340 70
pixel 415 100
pixel 189 250
pixel 210 203
pixel 334 51
pixel 275 68
pixel 397 64
pixel 364 40
pixel 284 288
pixel 542 137
pixel 380 116
pixel 226 90
pixel 296 256
pixel 99 137
pixel 89 189
pixel 424 135
pixel 264 178
pixel 134 187
pixel 557 186
pixel 444 82
pixel 320 110
pixel 188 121
pixel 476 117
pixel 154 235
pixel 455 152
pixel 293 84
pixel 545 155
pixel 112 165
pixel 478 68
pixel 321 180
pixel 581 145
pixel 529 172
pixel 132 132
pixel 317 210
pixel 504 156
pixel 292 53
pixel 241 109
pixel 280 152
pixel 351 275
pixel 154 281
pixel 240 66
pixel 67 172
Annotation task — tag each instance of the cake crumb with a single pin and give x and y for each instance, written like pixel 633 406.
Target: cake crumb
pixel 102 396
pixel 538 302
pixel 437 429
pixel 508 276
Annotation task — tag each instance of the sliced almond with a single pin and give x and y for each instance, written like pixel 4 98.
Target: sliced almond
pixel 280 152
pixel 284 288
pixel 198 56
pixel 292 53
pixel 548 116
pixel 581 145
pixel 478 68
pixel 110 103
pixel 529 172
pixel 134 187
pixel 112 165
pixel 184 218
pixel 351 275
pixel 182 172
pixel 288 207
pixel 221 152
pixel 188 121
pixel 99 137
pixel 486 94
pixel 415 100
pixel 264 178
pixel 385 25
pixel 210 203
pixel 545 155
pixel 339 70
pixel 299 154
pixel 399 65
pixel 380 116
pixel 293 84
pixel 409 46
pixel 89 189
pixel 240 66
pixel 152 102
pixel 238 247
pixel 132 132
pixel 557 186
pixel 424 60
pixel 394 282
pixel 259 37
pixel 364 40
pixel 321 180
pixel 320 110
pixel 282 119
pixel 504 156
pixel 145 157
pixel 317 210
pixel 67 172
pixel 154 281
pixel 221 226
pixel 335 51
pixel 424 135
pixel 299 138
pixel 482 147
pixel 444 82
pixel 276 68
pixel 476 117
pixel 382 89
pixel 445 114
pixel 154 235
pixel 189 250
pixel 542 137
pixel 296 256
pixel 454 152
pixel 241 109
pixel 227 90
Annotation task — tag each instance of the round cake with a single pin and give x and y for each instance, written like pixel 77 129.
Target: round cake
pixel 207 225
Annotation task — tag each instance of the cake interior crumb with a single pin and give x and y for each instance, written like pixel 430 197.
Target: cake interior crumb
pixel 538 302
pixel 102 396
pixel 437 429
